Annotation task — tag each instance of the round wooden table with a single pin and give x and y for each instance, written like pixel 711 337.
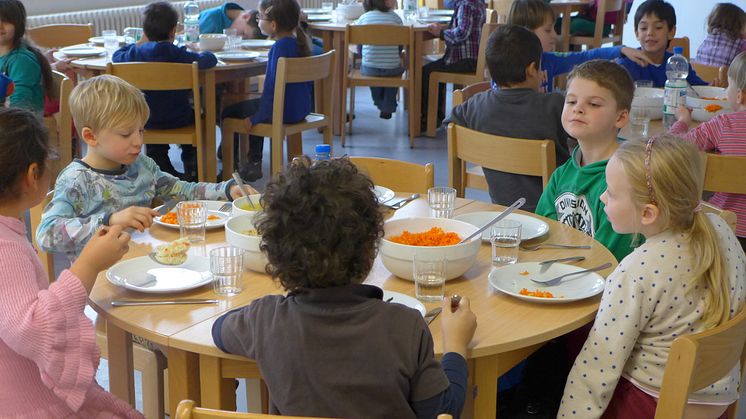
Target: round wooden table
pixel 509 329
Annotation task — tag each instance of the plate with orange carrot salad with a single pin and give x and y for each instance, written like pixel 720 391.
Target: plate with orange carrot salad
pixel 215 218
pixel 515 280
pixel 436 236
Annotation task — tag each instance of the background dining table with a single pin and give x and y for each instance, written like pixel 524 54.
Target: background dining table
pixel 509 329
pixel 225 71
pixel 566 8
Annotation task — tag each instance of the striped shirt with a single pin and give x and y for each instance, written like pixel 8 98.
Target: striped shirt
pixel 462 37
pixel 380 56
pixel 719 49
pixel 727 134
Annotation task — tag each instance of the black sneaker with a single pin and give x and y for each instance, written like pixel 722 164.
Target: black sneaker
pixel 250 171
pixel 385 115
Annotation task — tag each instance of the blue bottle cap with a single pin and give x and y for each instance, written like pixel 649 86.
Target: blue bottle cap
pixel 323 148
pixel 678 50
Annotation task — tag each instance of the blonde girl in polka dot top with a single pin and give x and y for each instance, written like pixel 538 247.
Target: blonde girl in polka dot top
pixel 689 276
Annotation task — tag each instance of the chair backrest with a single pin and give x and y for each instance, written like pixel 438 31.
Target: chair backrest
pixel 462 95
pixel 680 42
pixel 725 174
pixel 47 259
pixel 63 122
pixel 162 76
pixel 487 30
pixel 728 216
pixel 397 175
pixel 379 35
pixel 595 41
pixel 187 410
pixel 698 360
pixel 60 35
pixel 502 8
pixel 527 157
pixel 709 73
pixel 490 16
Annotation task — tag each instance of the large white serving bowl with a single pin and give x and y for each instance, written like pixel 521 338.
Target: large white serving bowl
pixel 235 235
pixel 650 98
pixel 212 41
pixel 243 202
pixel 398 258
pixel 697 105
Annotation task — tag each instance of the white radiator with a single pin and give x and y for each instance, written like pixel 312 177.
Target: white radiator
pixel 114 18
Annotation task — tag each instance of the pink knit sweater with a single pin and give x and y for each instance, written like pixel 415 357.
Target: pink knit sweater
pixel 48 352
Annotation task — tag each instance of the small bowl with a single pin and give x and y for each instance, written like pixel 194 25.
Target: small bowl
pixel 697 105
pixel 241 206
pixel 351 11
pixel 651 99
pixel 398 258
pixel 235 235
pixel 212 41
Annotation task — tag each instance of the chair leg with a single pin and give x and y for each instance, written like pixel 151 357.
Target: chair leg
pixel 295 146
pixel 413 119
pixel 226 146
pixel 276 157
pixel 343 105
pixel 151 365
pixel 352 106
pixel 432 104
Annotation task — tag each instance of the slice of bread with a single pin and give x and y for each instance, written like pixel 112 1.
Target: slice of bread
pixel 174 253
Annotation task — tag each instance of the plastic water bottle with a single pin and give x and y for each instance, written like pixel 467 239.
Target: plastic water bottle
pixel 410 9
pixel 674 94
pixel 191 21
pixel 323 152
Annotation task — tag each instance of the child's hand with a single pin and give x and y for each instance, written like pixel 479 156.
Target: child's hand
pixel 637 56
pixel 236 191
pixel 105 248
pixel 247 124
pixel 435 29
pixel 716 82
pixel 138 218
pixel 458 326
pixel 684 114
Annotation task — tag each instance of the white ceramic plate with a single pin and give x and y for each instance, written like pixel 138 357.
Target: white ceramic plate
pixel 315 11
pixel 237 55
pixel 404 300
pixel 383 194
pixel 319 18
pixel 510 279
pixel 212 209
pixel 443 12
pixel 434 19
pixel 145 275
pixel 257 43
pixel 531 227
pixel 99 40
pixel 82 51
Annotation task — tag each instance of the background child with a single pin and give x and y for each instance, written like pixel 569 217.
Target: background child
pixel 21 62
pixel 329 321
pixel 229 15
pixel 381 60
pixel 726 36
pixel 599 95
pixel 278 19
pixel 725 133
pixel 462 48
pixel 584 24
pixel 47 345
pixel 114 184
pixel 168 109
pixel 513 55
pixel 688 277
pixel 655 27
pixel 539 17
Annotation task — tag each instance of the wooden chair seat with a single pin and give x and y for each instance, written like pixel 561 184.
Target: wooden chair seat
pixel 179 135
pixel 188 410
pixel 358 79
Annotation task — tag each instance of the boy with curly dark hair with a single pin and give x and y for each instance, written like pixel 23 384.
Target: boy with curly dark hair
pixel 331 346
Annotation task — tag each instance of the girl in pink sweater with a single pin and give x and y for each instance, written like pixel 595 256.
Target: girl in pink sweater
pixel 48 352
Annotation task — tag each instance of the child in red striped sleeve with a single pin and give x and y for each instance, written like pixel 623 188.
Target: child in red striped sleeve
pixel 725 133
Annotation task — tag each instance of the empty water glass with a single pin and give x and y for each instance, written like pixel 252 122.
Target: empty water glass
pixel 505 237
pixel 423 12
pixel 643 83
pixel 234 38
pixel 327 6
pixel 429 270
pixel 111 42
pixel 132 35
pixel 226 266
pixel 442 201
pixel 639 120
pixel 192 216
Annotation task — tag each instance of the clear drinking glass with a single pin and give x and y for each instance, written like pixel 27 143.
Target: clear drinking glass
pixel 643 83
pixel 234 38
pixel 442 201
pixel 111 42
pixel 429 271
pixel 639 120
pixel 226 266
pixel 192 216
pixel 132 35
pixel 327 6
pixel 505 237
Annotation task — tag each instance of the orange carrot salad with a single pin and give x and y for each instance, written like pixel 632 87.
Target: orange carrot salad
pixel 433 237
pixel 713 108
pixel 537 293
pixel 171 218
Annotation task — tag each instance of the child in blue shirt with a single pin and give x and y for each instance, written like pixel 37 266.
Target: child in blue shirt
pixel 279 20
pixel 655 27
pixel 168 109
pixel 229 15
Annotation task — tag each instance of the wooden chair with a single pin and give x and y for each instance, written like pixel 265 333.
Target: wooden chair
pixel 710 73
pixel 725 174
pixel 188 410
pixel 47 260
pixel 615 37
pixel 728 216
pixel 289 70
pixel 698 360
pixel 680 42
pixel 397 175
pixel 490 16
pixel 391 35
pixel 60 124
pixel 60 34
pixel 462 95
pixel 172 76
pixel 438 77
pixel 502 8
pixel 527 157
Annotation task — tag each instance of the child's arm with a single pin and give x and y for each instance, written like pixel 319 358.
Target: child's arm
pixel 204 59
pixel 706 136
pixel 468 17
pixel 25 71
pixel 563 62
pixel 166 185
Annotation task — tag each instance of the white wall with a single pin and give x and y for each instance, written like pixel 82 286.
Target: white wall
pixel 691 16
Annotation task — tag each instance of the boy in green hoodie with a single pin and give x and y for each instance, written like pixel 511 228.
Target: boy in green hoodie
pixel 599 96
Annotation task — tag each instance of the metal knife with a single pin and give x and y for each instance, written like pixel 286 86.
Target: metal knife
pixel 168 206
pixel 432 314
pixel 123 303
pixel 547 263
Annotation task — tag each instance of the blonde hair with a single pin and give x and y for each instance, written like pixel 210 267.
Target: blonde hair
pixel 737 71
pixel 672 179
pixel 609 75
pixel 106 102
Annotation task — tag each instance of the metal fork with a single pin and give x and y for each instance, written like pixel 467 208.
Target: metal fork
pixel 226 207
pixel 557 279
pixel 561 246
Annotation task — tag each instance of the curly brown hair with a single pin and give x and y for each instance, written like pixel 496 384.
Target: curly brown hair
pixel 321 225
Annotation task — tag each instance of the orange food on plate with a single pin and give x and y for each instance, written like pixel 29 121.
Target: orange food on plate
pixel 170 218
pixel 537 293
pixel 433 237
pixel 713 108
pixel 524 273
pixel 213 217
pixel 711 98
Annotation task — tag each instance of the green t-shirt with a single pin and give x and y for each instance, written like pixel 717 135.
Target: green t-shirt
pixel 21 66
pixel 572 197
